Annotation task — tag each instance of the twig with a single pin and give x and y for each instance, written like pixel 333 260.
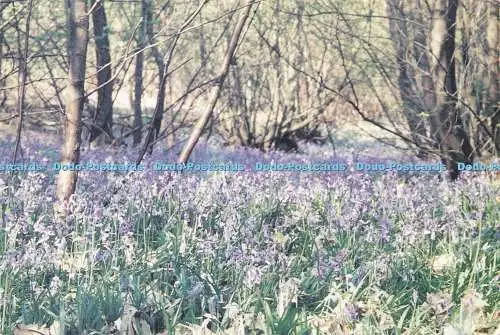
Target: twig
pixel 22 89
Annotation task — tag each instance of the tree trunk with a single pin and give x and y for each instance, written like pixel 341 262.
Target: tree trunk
pixel 160 64
pixel 163 66
pixel 138 78
pixel 300 58
pixel 452 138
pixel 412 109
pixel 427 91
pixel 103 118
pixel 78 23
pixel 200 126
pixel 493 103
pixel 3 93
pixel 23 73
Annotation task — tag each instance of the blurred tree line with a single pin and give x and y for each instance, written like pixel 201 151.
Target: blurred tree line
pixel 263 74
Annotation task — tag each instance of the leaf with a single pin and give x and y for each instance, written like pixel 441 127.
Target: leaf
pixel 403 317
pixel 37 330
pixel 442 263
pixel 473 302
pixel 193 329
pixel 450 330
pixel 440 302
pixel 386 321
pixel 288 293
pixel 110 329
pixel 287 322
pixel 141 327
pixel 281 239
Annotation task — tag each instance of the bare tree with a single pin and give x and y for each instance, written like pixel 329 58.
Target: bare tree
pixel 3 95
pixel 493 64
pixel 453 140
pixel 200 126
pixel 412 109
pixel 78 24
pixel 103 118
pixel 163 68
pixel 427 92
pixel 160 64
pixel 23 73
pixel 138 73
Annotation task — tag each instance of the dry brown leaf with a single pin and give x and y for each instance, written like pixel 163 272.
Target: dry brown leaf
pixel 36 330
pixel 141 327
pixel 450 330
pixel 473 302
pixel 440 302
pixel 442 263
pixel 192 329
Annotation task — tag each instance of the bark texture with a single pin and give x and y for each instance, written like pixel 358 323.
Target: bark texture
pixel 103 118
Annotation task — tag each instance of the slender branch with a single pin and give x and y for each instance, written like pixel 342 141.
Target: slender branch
pixel 195 135
pixel 22 88
pixel 164 77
